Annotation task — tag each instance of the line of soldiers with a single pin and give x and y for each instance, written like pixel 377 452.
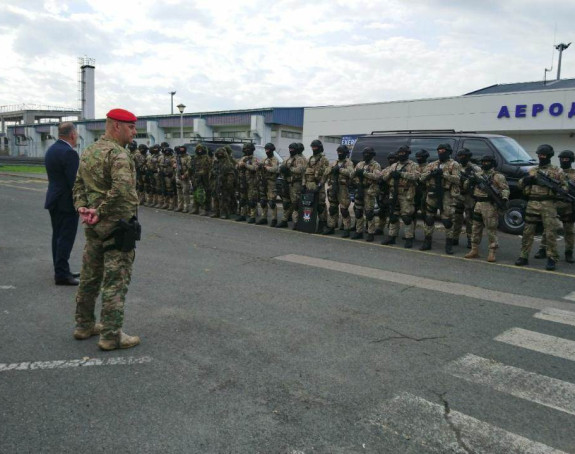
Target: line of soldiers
pixel 451 189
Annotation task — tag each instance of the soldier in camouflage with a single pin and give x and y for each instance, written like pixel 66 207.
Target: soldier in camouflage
pixel 402 178
pixel 485 212
pixel 152 165
pixel 314 179
pixel 223 178
pixel 442 178
pixel 166 169
pixel 366 178
pixel 140 161
pixel 200 177
pixel 183 164
pixel 268 172
pixel 105 193
pixel 338 177
pixel 564 210
pixel 541 207
pixel 421 158
pixel 248 184
pixel 292 170
pixel 383 199
pixel 465 202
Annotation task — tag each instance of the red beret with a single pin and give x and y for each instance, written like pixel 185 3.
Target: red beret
pixel 121 115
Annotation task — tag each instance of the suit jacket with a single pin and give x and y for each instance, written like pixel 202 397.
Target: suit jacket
pixel 61 162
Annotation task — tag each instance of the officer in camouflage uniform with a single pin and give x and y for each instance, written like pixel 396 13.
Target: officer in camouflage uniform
pixel 166 169
pixel 200 177
pixel 152 164
pixel 104 193
pixel 383 198
pixel 292 170
pixel 402 178
pixel 564 210
pixel 338 177
pixel 465 202
pixel 141 183
pixel 541 207
pixel 447 173
pixel 366 178
pixel 268 172
pixel 485 212
pixel 248 184
pixel 183 162
pixel 421 158
pixel 313 179
pixel 234 200
pixel 223 178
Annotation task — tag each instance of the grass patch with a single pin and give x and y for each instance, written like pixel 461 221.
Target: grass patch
pixel 22 168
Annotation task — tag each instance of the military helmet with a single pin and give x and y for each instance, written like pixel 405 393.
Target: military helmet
pixel 545 150
pixel 368 151
pixel 293 146
pixel 165 145
pixel 155 148
pixel 446 147
pixel 143 147
pixel 488 157
pixel 423 153
pixel 132 146
pixel 465 152
pixel 316 144
pixel 567 154
pixel 269 146
pixel 168 150
pixel 392 157
pixel 248 147
pixel 343 149
pixel 300 147
pixel 180 149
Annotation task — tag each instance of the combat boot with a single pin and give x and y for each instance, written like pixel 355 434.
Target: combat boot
pixel 215 214
pixel 203 212
pixel 569 256
pixel 345 233
pixel 274 223
pixel 369 237
pixel 122 341
pixel 378 232
pixel 282 225
pixel 185 210
pixel 357 236
pixel 408 243
pixel 550 264
pixel 521 261
pixel 241 218
pixel 179 209
pixel 86 333
pixel 262 221
pixel 195 210
pixel 320 227
pixel 473 253
pixel 389 240
pixel 449 246
pixel 171 205
pixel 541 253
pixel 426 246
pixel 491 255
pixel 329 231
pixel 251 220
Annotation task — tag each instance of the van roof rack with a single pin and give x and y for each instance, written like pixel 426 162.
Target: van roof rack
pixel 222 140
pixel 424 131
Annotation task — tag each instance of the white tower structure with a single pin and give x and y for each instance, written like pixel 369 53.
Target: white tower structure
pixel 87 87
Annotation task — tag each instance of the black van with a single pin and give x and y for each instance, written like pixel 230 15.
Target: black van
pixel 213 143
pixel 512 160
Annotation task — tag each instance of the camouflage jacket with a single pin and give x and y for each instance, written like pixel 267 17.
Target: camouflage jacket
pixel 496 179
pixel 296 165
pixel 451 177
pixel 540 191
pixel 152 162
pixel 371 174
pixel 409 176
pixel 248 167
pixel 140 161
pixel 166 165
pixel 185 164
pixel 343 176
pixel 106 180
pixel 315 171
pixel 466 170
pixel 270 168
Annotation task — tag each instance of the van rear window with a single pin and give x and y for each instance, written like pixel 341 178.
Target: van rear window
pixel 430 144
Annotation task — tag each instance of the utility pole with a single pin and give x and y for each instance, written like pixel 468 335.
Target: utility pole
pixel 560 47
pixel 172 103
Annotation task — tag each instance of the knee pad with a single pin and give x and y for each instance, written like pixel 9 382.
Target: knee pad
pixel 393 218
pixel 369 215
pixel 253 203
pixel 459 209
pixel 477 217
pixel 332 209
pixel 345 213
pixel 429 221
pixel 447 223
pixel 263 203
pixel 358 212
pixel 407 220
pixel 287 205
pixel 272 204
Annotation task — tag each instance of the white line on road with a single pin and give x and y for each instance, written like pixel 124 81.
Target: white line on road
pixel 557 316
pixel 570 296
pixel 6 287
pixel 540 389
pixel 542 343
pixel 22 187
pixel 439 429
pixel 428 284
pixel 66 364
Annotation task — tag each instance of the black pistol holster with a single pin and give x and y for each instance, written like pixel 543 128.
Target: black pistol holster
pixel 125 235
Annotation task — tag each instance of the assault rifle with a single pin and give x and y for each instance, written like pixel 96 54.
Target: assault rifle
pixel 571 187
pixel 555 185
pixel 178 165
pixel 483 183
pixel 334 189
pixel 438 177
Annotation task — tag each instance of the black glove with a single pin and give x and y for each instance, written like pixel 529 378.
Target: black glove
pixel 396 174
pixel 360 172
pixel 436 172
pixel 284 169
pixel 529 180
pixel 335 170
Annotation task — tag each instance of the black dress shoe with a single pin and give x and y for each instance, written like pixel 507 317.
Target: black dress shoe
pixel 67 281
pixel 76 275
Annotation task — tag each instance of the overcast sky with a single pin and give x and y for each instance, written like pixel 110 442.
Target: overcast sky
pixel 242 54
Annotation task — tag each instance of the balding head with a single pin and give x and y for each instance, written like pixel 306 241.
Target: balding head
pixel 67 131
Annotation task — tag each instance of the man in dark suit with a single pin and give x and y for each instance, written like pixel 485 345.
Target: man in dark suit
pixel 62 162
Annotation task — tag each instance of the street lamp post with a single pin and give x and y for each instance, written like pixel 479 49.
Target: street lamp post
pixel 181 108
pixel 172 99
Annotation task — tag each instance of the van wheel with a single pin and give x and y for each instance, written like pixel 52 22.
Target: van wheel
pixel 513 220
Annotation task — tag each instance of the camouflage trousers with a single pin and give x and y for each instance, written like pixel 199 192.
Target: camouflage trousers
pixel 183 187
pixel 463 208
pixel 291 206
pixel 540 211
pixel 108 270
pixel 338 204
pixel 485 214
pixel 565 213
pixel 404 210
pixel 249 200
pixel 446 214
pixel 365 213
pixel 222 202
pixel 268 200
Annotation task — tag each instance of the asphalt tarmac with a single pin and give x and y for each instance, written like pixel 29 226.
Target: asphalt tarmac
pixel 262 340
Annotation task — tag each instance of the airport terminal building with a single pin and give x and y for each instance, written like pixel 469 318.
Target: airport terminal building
pixel 532 113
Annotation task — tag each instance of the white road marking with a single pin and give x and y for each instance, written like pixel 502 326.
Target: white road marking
pixel 542 343
pixel 570 296
pixel 540 389
pixel 22 187
pixel 6 287
pixel 428 284
pixel 66 364
pixel 439 430
pixel 557 316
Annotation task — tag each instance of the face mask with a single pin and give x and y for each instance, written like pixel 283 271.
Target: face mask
pixel 486 166
pixel 340 157
pixel 421 160
pixel 464 160
pixel 367 157
pixel 565 164
pixel 402 157
pixel 292 152
pixel 544 160
pixel 270 154
pixel 443 156
pixel 316 151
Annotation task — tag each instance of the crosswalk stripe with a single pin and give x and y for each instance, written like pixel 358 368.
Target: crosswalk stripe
pixel 540 389
pixel 439 429
pixel 542 343
pixel 557 315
